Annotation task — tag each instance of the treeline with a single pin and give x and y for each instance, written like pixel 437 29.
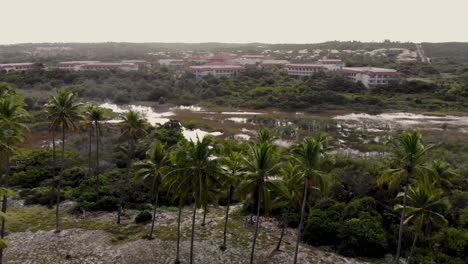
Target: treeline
pixel 256 88
pixel 406 203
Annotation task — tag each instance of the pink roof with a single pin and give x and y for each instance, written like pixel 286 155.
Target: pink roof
pixel 304 66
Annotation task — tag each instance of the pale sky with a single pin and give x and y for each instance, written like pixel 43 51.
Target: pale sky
pixel 240 21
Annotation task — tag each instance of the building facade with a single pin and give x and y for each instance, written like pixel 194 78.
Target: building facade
pixel 304 69
pixel 17 66
pixel 107 66
pixel 216 70
pixel 371 76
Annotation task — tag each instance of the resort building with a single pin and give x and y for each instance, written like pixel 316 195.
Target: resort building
pixel 216 70
pixel 107 66
pixel 70 65
pixel 140 63
pixel 172 62
pixel 304 69
pixel 17 66
pixel 273 63
pixel 370 76
pixel 332 64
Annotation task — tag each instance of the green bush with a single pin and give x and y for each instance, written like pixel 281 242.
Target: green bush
pixel 323 223
pixel 362 237
pixel 40 195
pixel 143 217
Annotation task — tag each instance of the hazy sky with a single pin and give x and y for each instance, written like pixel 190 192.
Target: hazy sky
pixel 272 21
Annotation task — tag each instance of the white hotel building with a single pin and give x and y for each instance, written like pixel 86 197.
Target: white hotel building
pixel 100 66
pixel 26 66
pixel 370 76
pixel 304 69
pixel 216 70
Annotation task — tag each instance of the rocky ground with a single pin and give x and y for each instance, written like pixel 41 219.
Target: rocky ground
pixel 124 243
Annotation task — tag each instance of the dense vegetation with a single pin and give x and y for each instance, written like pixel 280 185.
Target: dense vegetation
pixel 408 202
pixel 256 88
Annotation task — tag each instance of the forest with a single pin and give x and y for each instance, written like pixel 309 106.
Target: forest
pixel 409 204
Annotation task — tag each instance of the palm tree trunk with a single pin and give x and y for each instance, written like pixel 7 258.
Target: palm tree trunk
pixel 177 261
pixel 96 172
pixel 204 214
pixel 301 223
pixel 252 253
pixel 402 219
pixel 283 228
pixel 155 206
pixel 4 202
pixel 415 240
pixel 226 218
pixel 89 152
pixel 193 229
pixel 62 166
pixel 127 177
pixel 54 166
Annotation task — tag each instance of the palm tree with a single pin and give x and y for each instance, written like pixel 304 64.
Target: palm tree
pixel 439 172
pixel 424 203
pixel 176 183
pixel 12 116
pixel 408 151
pixel 94 116
pixel 289 195
pixel 232 167
pixel 310 156
pixel 154 169
pixel 133 125
pixel 200 170
pixel 260 164
pixel 63 111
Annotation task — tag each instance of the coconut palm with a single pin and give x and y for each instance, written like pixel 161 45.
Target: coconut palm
pixel 232 167
pixel 133 125
pixel 260 165
pixel 407 154
pixel 289 195
pixel 153 169
pixel 424 204
pixel 63 111
pixel 176 184
pixel 12 116
pixel 94 118
pixel 310 157
pixel 439 172
pixel 200 170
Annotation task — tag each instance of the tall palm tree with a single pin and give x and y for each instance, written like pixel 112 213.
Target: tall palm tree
pixel 408 151
pixel 310 156
pixel 63 111
pixel 200 168
pixel 260 164
pixel 133 125
pixel 176 184
pixel 153 169
pixel 232 167
pixel 12 116
pixel 94 118
pixel 424 204
pixel 289 195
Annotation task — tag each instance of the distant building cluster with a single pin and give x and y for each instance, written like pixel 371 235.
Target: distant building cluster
pixel 125 65
pixel 229 65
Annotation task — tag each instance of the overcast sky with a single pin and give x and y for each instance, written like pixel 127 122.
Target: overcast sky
pixel 270 21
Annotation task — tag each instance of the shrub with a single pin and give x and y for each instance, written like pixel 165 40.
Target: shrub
pixel 40 195
pixel 323 223
pixel 143 217
pixel 362 237
pixel 107 203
